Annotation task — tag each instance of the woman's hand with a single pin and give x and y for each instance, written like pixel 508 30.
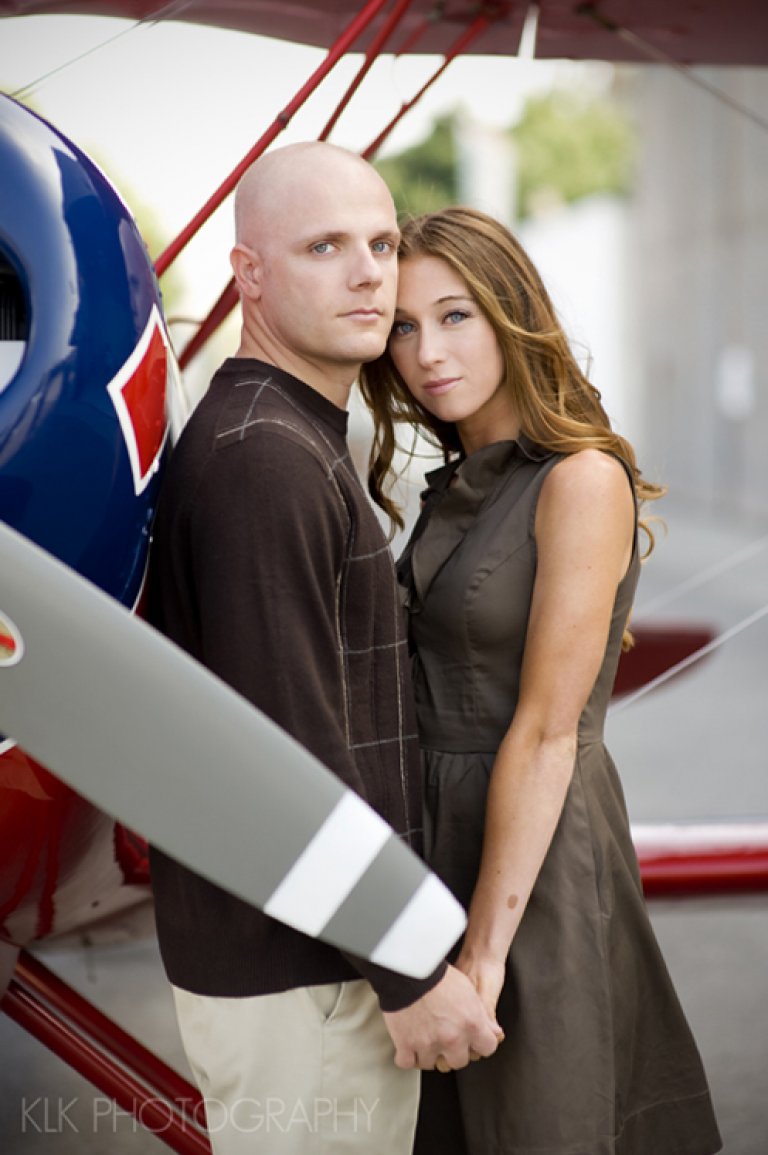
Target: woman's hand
pixel 446 1028
pixel 487 976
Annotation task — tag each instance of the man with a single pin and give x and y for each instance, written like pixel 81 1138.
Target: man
pixel 269 566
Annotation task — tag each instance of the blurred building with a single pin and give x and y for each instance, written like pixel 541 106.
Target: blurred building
pixel 664 293
pixel 698 269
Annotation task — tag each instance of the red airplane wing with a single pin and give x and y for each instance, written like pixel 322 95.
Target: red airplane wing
pixel 688 31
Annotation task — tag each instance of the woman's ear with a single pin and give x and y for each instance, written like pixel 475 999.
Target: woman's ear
pixel 246 266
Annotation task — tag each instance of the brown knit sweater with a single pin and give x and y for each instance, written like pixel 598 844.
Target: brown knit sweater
pixel 269 566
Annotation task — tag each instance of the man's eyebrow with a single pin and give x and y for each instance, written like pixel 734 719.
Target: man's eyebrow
pixel 319 235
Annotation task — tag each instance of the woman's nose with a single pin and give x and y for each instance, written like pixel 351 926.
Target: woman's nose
pixel 430 347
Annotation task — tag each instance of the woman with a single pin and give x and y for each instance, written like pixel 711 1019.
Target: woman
pixel 519 579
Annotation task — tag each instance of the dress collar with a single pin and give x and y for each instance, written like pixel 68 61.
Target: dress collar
pixel 459 489
pixel 485 465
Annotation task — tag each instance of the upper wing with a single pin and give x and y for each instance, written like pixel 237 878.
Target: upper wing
pixel 688 31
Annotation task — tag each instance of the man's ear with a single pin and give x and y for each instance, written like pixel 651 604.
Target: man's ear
pixel 246 265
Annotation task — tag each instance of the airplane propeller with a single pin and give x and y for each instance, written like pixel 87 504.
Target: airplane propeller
pixel 147 734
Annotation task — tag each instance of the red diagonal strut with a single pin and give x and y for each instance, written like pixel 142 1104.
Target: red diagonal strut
pixel 355 27
pixel 371 55
pixel 114 1062
pixel 478 25
pixel 228 298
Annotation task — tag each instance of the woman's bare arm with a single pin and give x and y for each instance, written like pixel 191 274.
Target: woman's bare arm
pixel 584 532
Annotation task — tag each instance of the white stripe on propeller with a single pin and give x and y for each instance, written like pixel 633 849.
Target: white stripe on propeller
pixel 428 922
pixel 331 865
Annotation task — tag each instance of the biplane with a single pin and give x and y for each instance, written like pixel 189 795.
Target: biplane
pixel 90 405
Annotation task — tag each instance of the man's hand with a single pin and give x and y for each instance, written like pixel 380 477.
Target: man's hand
pixel 446 1023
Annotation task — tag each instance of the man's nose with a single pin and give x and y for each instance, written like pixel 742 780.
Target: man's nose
pixel 367 269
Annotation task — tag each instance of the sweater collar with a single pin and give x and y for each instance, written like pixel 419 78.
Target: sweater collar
pixel 300 392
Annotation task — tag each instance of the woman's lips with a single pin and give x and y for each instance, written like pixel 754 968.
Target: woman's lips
pixel 443 385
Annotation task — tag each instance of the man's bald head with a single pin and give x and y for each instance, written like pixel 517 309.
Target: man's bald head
pixel 275 182
pixel 315 262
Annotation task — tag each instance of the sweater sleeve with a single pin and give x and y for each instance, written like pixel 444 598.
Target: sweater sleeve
pixel 268 537
pixel 395 991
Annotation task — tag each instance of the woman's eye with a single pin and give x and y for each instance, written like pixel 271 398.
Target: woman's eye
pixel 402 328
pixel 455 316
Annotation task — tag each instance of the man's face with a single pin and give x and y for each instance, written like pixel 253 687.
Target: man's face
pixel 329 272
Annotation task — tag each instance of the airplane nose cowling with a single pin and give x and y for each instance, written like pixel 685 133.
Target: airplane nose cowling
pixel 82 416
pixel 84 369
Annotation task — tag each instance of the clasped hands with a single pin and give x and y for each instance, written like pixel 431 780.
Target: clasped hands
pixel 445 1029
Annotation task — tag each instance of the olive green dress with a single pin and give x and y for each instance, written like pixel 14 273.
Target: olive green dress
pixel 598 1058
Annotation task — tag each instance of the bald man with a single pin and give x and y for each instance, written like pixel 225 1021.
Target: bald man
pixel 269 566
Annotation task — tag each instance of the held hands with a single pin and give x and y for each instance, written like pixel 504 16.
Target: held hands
pixel 487 976
pixel 446 1028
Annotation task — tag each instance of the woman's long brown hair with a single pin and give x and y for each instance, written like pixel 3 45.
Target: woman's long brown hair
pixel 557 406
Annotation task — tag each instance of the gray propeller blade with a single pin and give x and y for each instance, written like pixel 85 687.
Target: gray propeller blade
pixel 137 727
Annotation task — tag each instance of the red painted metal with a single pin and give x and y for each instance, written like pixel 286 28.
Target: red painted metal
pixel 691 31
pixel 228 298
pixel 702 858
pixel 178 1131
pixel 414 37
pixel 342 45
pixel 699 875
pixel 656 649
pixel 218 314
pixel 371 54
pixel 461 44
pixel 132 855
pixel 90 1021
pixel 47 832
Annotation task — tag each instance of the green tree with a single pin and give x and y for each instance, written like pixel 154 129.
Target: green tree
pixel 570 146
pixel 423 177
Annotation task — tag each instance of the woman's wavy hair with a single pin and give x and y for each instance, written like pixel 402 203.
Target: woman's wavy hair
pixel 557 406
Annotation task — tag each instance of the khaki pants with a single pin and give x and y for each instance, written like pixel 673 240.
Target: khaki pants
pixel 305 1072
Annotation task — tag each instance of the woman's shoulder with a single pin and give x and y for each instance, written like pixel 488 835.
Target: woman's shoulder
pixel 589 482
pixel 589 470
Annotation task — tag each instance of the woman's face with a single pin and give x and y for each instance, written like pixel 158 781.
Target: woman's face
pixel 446 351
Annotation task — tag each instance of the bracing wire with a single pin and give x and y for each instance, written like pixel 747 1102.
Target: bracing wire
pixel 167 12
pixel 651 52
pixel 696 580
pixel 640 44
pixel 710 647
